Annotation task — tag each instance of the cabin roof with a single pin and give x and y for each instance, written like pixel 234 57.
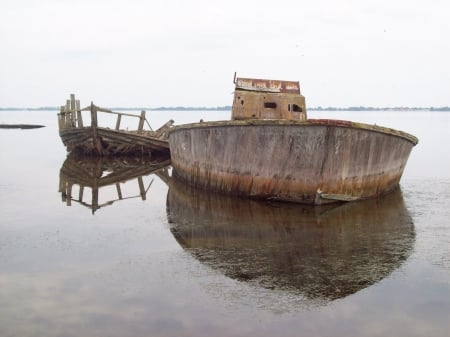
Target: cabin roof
pixel 263 85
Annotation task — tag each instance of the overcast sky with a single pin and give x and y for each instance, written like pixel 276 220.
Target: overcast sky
pixel 185 52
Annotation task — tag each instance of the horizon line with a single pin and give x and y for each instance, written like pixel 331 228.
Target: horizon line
pixel 229 107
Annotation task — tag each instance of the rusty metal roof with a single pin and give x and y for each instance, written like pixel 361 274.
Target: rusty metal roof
pixel 263 85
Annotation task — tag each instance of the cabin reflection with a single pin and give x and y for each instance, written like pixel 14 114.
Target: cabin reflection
pixel 319 252
pixel 97 173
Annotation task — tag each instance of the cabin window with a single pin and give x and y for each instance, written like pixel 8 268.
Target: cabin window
pixel 294 108
pixel 270 105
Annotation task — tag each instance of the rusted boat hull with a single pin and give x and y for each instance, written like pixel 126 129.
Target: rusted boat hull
pixel 106 142
pixel 312 161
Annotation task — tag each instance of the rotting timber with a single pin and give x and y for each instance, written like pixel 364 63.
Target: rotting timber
pixel 104 141
pixel 270 150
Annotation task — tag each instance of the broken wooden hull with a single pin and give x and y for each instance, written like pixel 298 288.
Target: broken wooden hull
pixel 107 142
pixel 312 161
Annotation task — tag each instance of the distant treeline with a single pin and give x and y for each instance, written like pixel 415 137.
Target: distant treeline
pixel 228 108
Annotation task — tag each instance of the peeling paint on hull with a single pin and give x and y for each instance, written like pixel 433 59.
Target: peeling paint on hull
pixel 313 161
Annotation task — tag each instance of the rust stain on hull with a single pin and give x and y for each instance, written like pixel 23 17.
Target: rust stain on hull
pixel 313 161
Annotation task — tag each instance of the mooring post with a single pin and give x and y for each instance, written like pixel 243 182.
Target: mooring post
pixel 141 121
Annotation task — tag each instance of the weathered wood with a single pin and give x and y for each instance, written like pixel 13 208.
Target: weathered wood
pixel 68 118
pixel 141 121
pixel 119 191
pixel 119 117
pixel 61 117
pixel 94 122
pixel 79 115
pixel 141 188
pixel 73 109
pixel 80 193
pixel 69 194
pixel 103 141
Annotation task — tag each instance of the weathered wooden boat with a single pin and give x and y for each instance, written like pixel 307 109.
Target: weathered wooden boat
pixel 270 150
pixel 319 252
pixel 79 174
pixel 104 141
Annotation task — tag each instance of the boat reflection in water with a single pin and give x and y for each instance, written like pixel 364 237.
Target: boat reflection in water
pixel 321 253
pixel 102 172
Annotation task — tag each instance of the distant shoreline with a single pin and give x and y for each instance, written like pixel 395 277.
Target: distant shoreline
pixel 228 108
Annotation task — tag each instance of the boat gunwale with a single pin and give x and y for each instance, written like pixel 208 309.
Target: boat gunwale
pixel 309 122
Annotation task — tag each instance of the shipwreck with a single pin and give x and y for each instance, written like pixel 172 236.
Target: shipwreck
pixel 97 140
pixel 271 150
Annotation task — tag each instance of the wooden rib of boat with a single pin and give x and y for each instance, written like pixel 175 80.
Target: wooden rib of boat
pixel 270 150
pixel 104 141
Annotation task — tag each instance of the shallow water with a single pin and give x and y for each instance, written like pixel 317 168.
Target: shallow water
pixel 160 259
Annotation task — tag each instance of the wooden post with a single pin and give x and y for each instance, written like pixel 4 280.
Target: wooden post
pixel 119 117
pixel 79 116
pixel 67 122
pixel 141 188
pixel 80 193
pixel 69 194
pixel 141 121
pixel 119 191
pixel 94 122
pixel 73 109
pixel 61 118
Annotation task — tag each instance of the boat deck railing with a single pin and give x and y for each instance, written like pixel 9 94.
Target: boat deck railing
pixel 70 116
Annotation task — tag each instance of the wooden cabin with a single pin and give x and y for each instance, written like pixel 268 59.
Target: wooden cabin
pixel 267 99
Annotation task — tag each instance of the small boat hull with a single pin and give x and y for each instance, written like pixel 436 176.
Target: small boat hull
pixel 107 142
pixel 312 161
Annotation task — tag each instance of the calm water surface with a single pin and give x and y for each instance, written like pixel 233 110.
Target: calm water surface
pixel 155 258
